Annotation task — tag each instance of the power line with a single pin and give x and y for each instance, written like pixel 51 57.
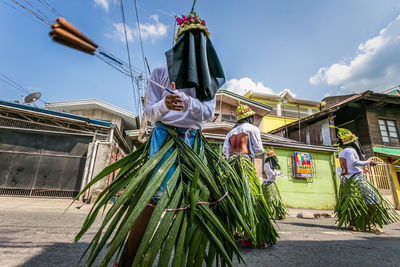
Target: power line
pixel 103 52
pixel 45 4
pixel 16 85
pixel 44 16
pixel 32 12
pixel 137 101
pixel 140 37
pixel 13 7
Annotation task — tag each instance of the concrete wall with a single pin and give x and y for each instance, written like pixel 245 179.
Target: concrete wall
pixel 102 158
pixel 274 122
pixel 318 192
pixel 100 115
pixel 227 109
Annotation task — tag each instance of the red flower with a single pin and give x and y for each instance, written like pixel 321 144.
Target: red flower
pixel 203 22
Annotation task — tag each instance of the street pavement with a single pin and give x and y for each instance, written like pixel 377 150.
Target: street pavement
pixel 37 232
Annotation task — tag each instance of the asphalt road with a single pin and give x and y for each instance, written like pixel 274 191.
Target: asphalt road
pixel 41 235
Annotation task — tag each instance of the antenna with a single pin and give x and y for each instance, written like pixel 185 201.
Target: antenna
pixel 32 98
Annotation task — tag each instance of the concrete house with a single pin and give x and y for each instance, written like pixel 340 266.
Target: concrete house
pixel 374 118
pixel 51 153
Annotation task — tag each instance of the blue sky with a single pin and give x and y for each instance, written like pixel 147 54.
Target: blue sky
pixel 314 48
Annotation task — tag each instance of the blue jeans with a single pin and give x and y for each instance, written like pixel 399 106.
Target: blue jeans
pixel 157 139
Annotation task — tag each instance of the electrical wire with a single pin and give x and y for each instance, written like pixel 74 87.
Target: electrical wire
pixel 140 36
pixel 18 10
pixel 16 85
pixel 44 16
pixel 32 12
pixel 123 67
pixel 127 69
pixel 45 4
pixel 136 99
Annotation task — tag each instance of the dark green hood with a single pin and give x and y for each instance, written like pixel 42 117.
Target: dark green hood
pixel 193 62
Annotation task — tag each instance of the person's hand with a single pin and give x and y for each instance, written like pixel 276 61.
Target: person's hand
pixel 371 163
pixel 174 101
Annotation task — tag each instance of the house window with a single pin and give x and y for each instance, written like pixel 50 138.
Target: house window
pixel 388 131
pixel 228 118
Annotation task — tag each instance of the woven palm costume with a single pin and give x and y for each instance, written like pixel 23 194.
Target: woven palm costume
pixel 270 190
pixel 200 200
pixel 360 204
pixel 243 165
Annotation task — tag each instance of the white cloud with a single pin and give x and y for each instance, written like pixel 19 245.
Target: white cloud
pixel 153 30
pixel 375 67
pixel 150 31
pixel 104 4
pixel 119 33
pixel 241 86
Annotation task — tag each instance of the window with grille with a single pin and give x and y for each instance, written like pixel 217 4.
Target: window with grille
pixel 388 131
pixel 228 118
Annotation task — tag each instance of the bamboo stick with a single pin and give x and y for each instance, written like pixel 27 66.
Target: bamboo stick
pixel 60 39
pixel 72 29
pixel 73 39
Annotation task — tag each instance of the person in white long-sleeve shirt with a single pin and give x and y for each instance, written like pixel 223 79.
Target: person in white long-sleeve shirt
pixel 371 211
pixel 244 138
pixel 181 110
pixel 241 144
pixel 270 189
pixel 270 174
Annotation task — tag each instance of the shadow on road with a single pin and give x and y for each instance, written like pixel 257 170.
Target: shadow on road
pixel 367 251
pixel 52 255
pixel 330 227
pixel 376 250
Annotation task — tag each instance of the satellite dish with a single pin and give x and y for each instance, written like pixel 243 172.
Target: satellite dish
pixel 32 98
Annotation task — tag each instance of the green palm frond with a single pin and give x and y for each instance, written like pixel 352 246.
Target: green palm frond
pixel 256 209
pixel 196 235
pixel 274 201
pixel 352 209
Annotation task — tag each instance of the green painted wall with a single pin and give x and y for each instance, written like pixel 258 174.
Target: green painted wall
pixel 318 192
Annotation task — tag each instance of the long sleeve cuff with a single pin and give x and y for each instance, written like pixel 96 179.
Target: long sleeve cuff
pixel 361 163
pixel 204 111
pixel 162 107
pixel 156 111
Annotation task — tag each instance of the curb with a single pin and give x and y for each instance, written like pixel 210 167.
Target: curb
pixel 311 214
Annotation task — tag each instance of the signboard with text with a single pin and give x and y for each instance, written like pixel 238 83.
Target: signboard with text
pixel 302 165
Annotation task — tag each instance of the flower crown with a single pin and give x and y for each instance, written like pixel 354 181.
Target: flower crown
pixel 190 22
pixel 345 135
pixel 244 110
pixel 269 153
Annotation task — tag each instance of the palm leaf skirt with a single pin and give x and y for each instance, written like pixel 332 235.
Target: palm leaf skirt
pixel 192 224
pixel 361 205
pixel 252 195
pixel 274 201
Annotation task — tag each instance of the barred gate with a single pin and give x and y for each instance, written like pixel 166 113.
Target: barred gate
pixel 41 164
pixel 379 176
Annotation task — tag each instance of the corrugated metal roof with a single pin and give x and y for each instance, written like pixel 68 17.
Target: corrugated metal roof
pixel 245 100
pixel 54 113
pixel 87 104
pixel 285 94
pixel 270 140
